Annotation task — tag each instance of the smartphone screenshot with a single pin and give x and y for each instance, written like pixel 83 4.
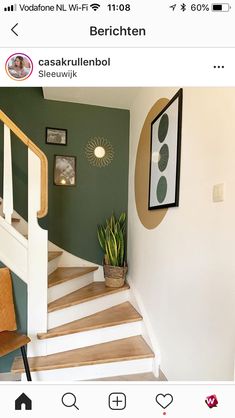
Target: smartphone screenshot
pixel 117 202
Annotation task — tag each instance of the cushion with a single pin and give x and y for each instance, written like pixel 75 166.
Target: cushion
pixel 7 310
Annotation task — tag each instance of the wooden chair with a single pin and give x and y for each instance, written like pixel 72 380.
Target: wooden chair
pixel 10 339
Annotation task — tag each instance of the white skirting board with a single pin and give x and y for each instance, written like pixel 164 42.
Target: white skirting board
pixel 148 331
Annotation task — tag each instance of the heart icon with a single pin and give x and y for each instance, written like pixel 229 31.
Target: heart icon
pixel 164 400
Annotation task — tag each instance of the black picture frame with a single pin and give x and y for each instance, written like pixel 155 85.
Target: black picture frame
pixel 65 170
pixel 165 155
pixel 56 136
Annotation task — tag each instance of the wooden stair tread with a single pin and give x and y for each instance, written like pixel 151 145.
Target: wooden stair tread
pixel 92 291
pixel 117 315
pixel 132 348
pixel 63 274
pixel 54 254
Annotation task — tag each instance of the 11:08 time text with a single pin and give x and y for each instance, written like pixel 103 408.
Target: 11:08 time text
pixel 119 7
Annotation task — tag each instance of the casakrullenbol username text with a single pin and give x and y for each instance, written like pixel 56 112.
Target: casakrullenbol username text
pixel 78 62
pixel 64 62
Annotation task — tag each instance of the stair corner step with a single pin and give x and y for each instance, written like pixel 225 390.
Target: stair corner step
pixel 91 291
pixel 64 274
pixel 54 254
pixel 123 313
pixel 132 348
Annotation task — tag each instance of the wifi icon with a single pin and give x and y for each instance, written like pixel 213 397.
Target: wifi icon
pixel 95 6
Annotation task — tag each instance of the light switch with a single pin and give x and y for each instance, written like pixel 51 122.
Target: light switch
pixel 218 192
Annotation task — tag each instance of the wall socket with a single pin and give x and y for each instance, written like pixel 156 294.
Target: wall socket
pixel 218 192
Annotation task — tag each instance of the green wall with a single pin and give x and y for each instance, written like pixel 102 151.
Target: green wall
pixel 20 302
pixel 74 212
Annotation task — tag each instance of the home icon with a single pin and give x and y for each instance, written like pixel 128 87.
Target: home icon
pixel 23 402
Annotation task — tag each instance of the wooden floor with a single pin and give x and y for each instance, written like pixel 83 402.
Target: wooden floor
pixel 126 349
pixel 142 377
pixel 10 377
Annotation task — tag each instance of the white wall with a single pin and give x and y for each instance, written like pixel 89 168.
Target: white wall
pixel 185 268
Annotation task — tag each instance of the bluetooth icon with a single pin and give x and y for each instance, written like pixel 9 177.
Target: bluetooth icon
pixel 183 7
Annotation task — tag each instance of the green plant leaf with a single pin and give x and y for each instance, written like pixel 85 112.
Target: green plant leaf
pixel 101 236
pixel 112 246
pixel 122 219
pixel 108 246
pixel 107 255
pixel 122 249
pixel 112 222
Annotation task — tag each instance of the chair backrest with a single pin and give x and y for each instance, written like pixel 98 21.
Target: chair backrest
pixel 7 310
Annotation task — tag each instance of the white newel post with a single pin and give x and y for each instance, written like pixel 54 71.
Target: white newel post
pixel 37 259
pixel 7 176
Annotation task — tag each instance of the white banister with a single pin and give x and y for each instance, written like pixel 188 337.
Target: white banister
pixel 37 258
pixel 7 176
pixel 27 258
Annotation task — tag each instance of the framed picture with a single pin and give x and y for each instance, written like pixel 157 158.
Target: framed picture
pixel 56 136
pixel 164 173
pixel 64 170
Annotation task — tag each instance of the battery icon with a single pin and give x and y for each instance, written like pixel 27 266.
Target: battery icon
pixel 220 7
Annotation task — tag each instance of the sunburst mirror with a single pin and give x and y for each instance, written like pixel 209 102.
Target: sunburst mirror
pixel 99 152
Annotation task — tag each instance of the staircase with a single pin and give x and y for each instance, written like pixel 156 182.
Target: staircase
pixel 93 331
pixel 88 331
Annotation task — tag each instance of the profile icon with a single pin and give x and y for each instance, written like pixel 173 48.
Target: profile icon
pixel 19 66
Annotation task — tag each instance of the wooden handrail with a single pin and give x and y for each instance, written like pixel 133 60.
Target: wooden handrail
pixel 44 165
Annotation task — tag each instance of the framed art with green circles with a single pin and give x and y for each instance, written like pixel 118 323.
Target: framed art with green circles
pixel 164 172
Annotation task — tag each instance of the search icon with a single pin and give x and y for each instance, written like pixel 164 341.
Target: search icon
pixel 69 399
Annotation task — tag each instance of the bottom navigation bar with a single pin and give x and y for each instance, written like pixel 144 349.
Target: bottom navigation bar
pixel 102 399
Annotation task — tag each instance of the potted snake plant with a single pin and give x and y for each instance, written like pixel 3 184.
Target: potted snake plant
pixel 111 237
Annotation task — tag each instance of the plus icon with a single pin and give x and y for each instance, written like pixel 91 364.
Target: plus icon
pixel 117 401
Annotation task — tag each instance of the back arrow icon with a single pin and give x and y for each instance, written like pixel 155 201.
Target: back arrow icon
pixel 12 29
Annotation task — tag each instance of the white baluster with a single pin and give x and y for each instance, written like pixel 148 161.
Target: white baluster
pixel 37 258
pixel 7 176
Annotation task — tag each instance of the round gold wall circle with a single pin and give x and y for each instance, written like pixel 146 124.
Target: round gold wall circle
pixel 149 218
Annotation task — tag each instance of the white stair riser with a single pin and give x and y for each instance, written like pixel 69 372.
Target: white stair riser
pixel 96 371
pixel 36 347
pixel 92 337
pixel 63 316
pixel 56 292
pixel 53 265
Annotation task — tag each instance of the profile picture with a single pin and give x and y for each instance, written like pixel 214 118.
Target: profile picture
pixel 64 170
pixel 19 66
